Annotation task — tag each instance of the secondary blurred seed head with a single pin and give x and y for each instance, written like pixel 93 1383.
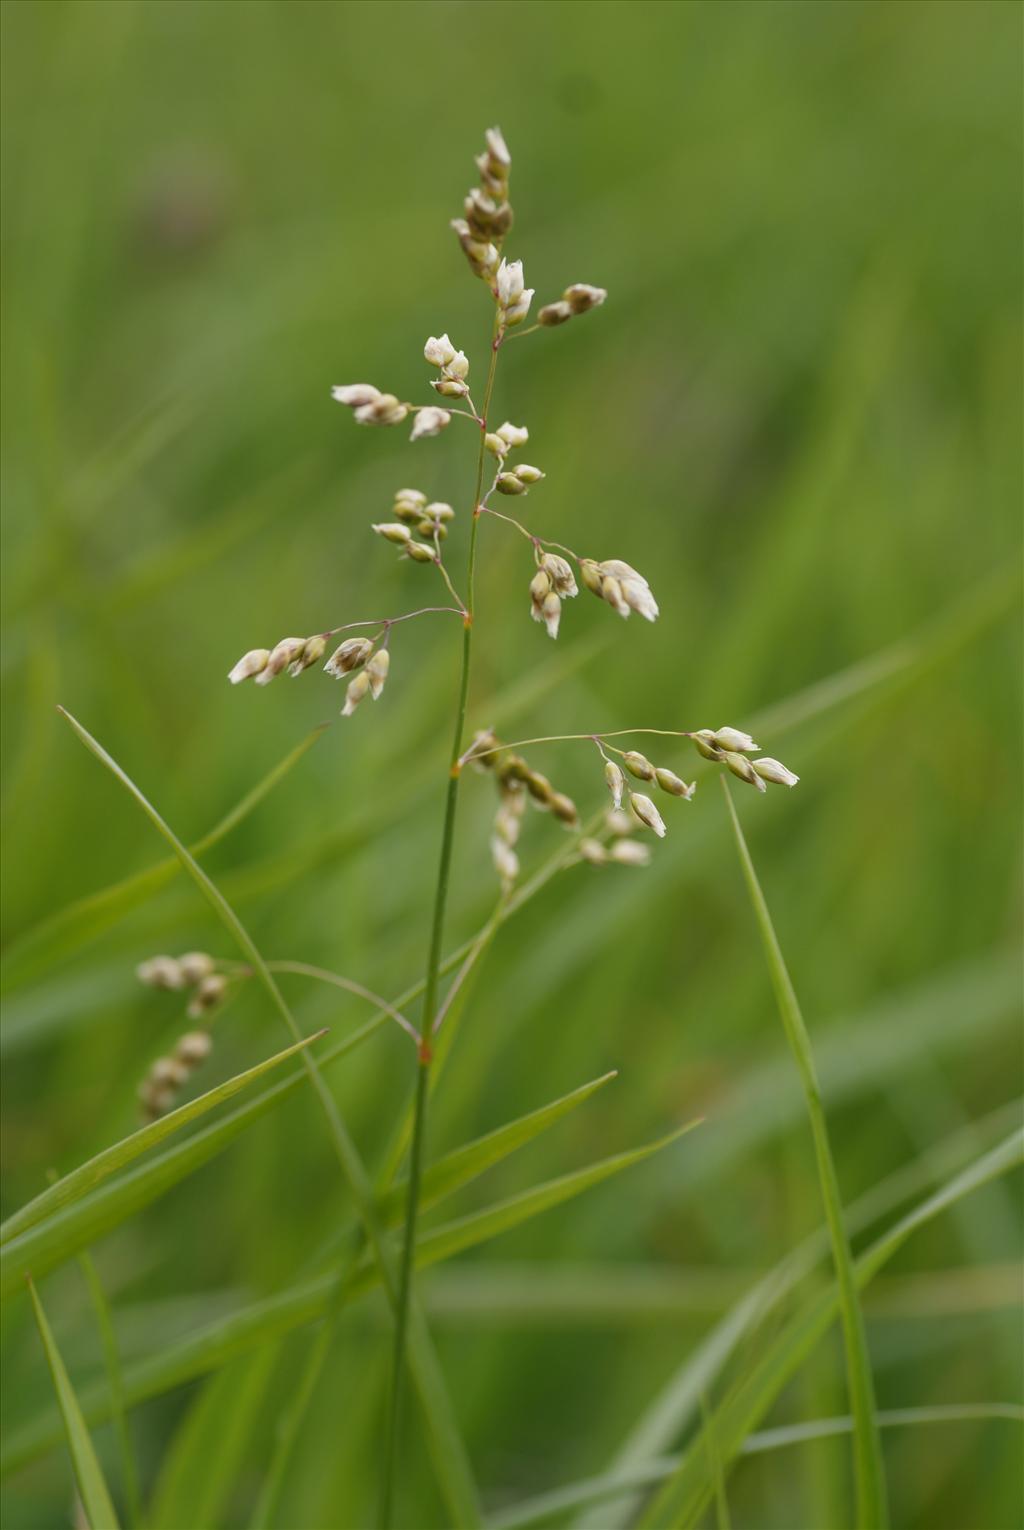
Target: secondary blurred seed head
pixel 429 421
pixel 629 852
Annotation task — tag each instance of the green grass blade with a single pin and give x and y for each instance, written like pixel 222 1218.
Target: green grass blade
pixel 83 1221
pixel 872 1511
pixel 69 928
pixel 677 1403
pixel 115 1381
pixel 199 1469
pixel 88 1175
pixel 91 1484
pixel 220 1341
pixel 464 1164
pixel 714 1466
pixel 688 1495
pixel 448 1452
pixel 594 1490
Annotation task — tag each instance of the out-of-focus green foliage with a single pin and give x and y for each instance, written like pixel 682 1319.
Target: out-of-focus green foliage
pixel 799 414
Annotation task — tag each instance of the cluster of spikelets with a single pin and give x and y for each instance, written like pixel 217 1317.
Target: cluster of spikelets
pixel 732 748
pixel 511 480
pixel 195 973
pixel 413 511
pixel 517 783
pixel 640 805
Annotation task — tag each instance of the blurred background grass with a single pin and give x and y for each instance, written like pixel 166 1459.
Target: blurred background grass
pixel 799 412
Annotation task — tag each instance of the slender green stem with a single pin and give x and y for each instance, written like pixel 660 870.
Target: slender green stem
pixel 872 1511
pixel 393 1422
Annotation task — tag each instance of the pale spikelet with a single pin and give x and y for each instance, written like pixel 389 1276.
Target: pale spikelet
pixel 429 421
pixel 508 483
pixel 159 1090
pixel 527 473
pixel 564 809
pixel 409 505
pixel 377 671
pixel 671 783
pixel 484 743
pixel 209 994
pixel 563 581
pixel 742 767
pixel 647 813
pixel 582 297
pixel 356 689
pixel 348 656
pixel 554 313
pixel 593 852
pixel 775 772
pixel 618 822
pixel 438 351
pixel 513 435
pixel 615 780
pixel 283 654
pixel 311 654
pixel 620 586
pixel 509 817
pixel 496 445
pixel 355 395
pixel 435 518
pixel 638 765
pixel 506 862
pixel 733 738
pixel 482 255
pixel 196 965
pixel 193 1048
pixel 161 972
pixel 510 282
pixel 251 663
pixel 392 531
pixel 419 552
pixel 385 409
pixel 629 852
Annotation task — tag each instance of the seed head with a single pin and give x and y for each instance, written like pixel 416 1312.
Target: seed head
pixel 251 663
pixel 392 531
pixel 554 313
pixel 670 782
pixel 629 852
pixel 429 421
pixel 195 965
pixel 385 409
pixel 732 738
pixel 161 972
pixel 311 654
pixel 438 351
pixel 506 862
pixel 775 772
pixel 560 573
pixel 513 435
pixel 193 1048
pixel 377 671
pixel 282 655
pixel 741 766
pixel 616 781
pixel 352 652
pixel 647 813
pixel 355 395
pixel 510 282
pixel 356 689
pixel 638 765
pixel 581 297
pixel 209 993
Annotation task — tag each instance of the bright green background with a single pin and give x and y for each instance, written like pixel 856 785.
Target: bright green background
pixel 799 413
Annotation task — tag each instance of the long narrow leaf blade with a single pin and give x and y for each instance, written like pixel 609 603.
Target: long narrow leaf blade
pixel 872 1509
pixel 83 1221
pixel 91 1483
pixel 87 1176
pixel 466 1163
